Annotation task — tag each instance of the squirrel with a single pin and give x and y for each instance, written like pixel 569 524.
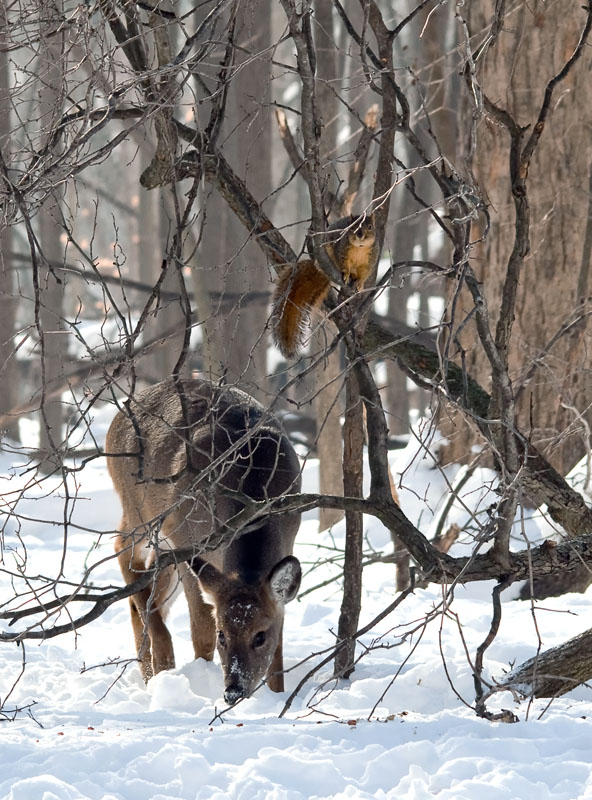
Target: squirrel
pixel 303 286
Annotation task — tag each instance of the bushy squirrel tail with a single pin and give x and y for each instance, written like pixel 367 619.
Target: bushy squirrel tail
pixel 299 289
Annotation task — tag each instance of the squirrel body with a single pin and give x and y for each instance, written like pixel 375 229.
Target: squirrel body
pixel 302 287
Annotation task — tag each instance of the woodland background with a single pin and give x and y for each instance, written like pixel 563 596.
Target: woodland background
pixel 159 162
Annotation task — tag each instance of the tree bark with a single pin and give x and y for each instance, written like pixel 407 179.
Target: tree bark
pixel 167 313
pixel 233 269
pixel 577 580
pixel 50 288
pixel 327 404
pixel 51 298
pixel 353 478
pixel 553 399
pixel 9 380
pixel 556 671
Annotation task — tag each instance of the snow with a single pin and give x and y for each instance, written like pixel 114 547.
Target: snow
pixel 79 722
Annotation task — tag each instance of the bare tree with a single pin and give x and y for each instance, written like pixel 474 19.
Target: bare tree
pixel 183 74
pixel 48 287
pixel 7 295
pixel 551 261
pixel 328 404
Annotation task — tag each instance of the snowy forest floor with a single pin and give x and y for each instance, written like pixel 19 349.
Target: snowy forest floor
pixel 402 727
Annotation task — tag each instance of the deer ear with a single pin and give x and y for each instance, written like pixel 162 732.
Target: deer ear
pixel 284 579
pixel 210 580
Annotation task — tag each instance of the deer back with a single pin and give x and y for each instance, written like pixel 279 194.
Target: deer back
pixel 181 455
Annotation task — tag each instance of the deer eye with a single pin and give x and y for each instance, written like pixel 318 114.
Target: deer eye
pixel 221 639
pixel 259 639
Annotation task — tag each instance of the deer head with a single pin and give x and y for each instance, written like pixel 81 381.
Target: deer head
pixel 249 619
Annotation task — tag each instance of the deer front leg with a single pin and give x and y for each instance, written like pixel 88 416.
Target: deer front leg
pixel 201 618
pixel 154 646
pixel 275 674
pixel 141 640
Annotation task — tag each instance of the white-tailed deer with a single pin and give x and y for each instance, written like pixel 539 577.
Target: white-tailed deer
pixel 181 456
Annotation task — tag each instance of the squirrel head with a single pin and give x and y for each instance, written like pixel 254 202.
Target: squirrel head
pixel 362 233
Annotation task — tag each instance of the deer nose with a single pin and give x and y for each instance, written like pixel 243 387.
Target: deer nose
pixel 232 694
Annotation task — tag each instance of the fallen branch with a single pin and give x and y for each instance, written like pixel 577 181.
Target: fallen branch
pixel 554 672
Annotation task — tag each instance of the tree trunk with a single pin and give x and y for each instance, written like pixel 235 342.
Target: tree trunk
pixel 353 477
pixel 554 399
pixel 233 268
pixel 327 407
pixel 403 240
pixel 51 297
pixel 327 410
pixel 50 287
pixel 151 252
pixel 9 379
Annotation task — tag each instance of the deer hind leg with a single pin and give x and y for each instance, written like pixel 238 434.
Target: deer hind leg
pixel 201 619
pixel 275 673
pixel 148 608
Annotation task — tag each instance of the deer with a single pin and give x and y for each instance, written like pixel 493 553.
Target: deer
pixel 185 457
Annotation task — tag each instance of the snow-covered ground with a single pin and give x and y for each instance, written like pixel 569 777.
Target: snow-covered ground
pixel 401 728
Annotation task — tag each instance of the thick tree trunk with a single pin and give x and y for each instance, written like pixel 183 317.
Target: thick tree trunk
pixel 233 268
pixel 553 393
pixel 554 399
